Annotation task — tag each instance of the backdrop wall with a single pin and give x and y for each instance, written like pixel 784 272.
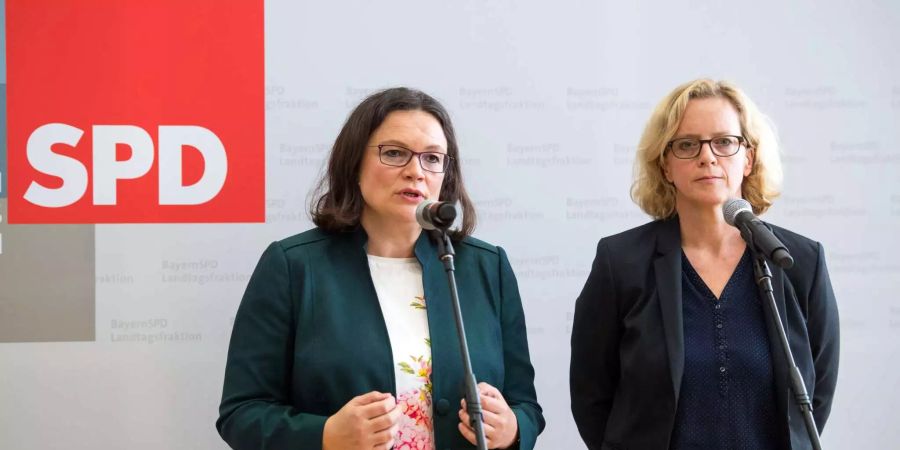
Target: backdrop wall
pixel 548 102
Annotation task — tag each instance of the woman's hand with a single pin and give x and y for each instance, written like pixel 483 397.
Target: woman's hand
pixel 500 425
pixel 368 421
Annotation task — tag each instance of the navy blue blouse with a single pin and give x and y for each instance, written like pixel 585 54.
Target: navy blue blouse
pixel 727 398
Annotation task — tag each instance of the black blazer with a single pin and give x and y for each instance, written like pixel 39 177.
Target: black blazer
pixel 628 339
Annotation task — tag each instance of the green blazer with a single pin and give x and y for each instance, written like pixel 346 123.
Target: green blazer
pixel 309 336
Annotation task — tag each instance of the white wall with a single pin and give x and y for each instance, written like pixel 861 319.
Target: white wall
pixel 548 99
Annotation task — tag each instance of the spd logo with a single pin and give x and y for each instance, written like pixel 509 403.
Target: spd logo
pixel 135 111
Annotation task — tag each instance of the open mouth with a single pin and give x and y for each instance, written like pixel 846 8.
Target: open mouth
pixel 412 195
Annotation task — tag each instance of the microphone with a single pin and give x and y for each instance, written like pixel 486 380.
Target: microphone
pixel 738 213
pixel 433 215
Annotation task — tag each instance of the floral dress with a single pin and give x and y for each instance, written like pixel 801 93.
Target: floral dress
pixel 398 284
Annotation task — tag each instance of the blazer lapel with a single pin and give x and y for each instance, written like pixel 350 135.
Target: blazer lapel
pixel 445 355
pixel 353 252
pixel 668 282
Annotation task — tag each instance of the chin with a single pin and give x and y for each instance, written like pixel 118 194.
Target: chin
pixel 707 199
pixel 405 215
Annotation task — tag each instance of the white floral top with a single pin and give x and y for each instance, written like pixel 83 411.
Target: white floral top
pixel 398 283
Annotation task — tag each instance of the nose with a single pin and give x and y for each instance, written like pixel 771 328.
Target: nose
pixel 706 155
pixel 413 169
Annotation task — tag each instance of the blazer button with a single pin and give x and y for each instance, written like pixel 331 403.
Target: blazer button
pixel 443 407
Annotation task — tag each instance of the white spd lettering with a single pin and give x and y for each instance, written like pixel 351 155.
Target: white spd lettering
pixel 107 170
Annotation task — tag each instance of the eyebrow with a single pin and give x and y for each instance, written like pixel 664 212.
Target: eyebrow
pixel 697 136
pixel 429 148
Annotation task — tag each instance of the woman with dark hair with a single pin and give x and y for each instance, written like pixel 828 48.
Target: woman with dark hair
pixel 345 337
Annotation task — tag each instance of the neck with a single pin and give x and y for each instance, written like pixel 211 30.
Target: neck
pixel 706 229
pixel 390 240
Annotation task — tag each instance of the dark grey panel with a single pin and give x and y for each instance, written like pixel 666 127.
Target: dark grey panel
pixel 47 282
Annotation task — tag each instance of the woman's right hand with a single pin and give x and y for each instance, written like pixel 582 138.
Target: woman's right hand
pixel 368 421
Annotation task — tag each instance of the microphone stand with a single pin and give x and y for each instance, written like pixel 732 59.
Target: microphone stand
pixel 473 401
pixel 801 397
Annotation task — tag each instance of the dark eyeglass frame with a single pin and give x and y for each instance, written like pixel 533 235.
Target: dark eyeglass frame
pixel 742 141
pixel 446 158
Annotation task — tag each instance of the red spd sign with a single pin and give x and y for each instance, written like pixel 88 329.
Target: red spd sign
pixel 135 111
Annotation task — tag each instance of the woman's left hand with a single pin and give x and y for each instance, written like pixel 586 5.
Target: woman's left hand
pixel 500 424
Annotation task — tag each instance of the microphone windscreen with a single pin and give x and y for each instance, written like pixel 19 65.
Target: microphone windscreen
pixel 732 207
pixel 421 210
pixel 446 212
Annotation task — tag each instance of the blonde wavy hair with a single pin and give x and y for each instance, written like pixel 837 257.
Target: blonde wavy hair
pixel 656 195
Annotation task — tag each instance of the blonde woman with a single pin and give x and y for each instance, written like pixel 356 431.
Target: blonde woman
pixel 671 347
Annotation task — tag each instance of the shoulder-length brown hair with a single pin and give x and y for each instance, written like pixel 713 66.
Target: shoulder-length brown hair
pixel 656 196
pixel 337 202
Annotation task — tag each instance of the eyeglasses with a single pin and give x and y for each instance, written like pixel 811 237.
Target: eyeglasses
pixel 397 156
pixel 689 148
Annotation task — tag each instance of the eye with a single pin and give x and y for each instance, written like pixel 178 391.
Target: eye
pixel 393 152
pixel 724 141
pixel 686 144
pixel 433 158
